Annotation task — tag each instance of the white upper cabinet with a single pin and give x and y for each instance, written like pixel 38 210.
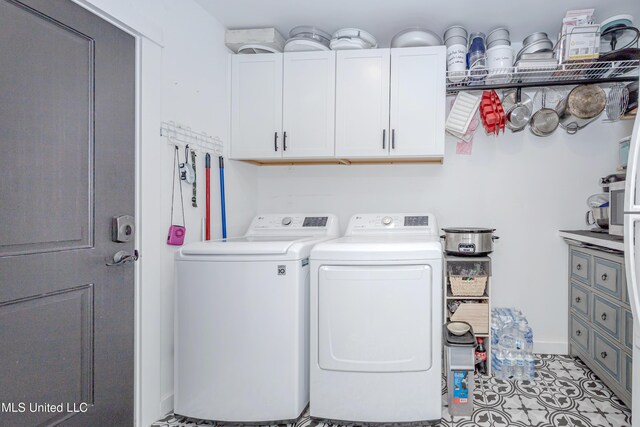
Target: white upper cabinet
pixel 309 104
pixel 362 103
pixel 256 106
pixel 418 96
pixel 348 105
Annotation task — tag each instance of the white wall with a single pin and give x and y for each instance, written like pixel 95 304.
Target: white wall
pixel 526 187
pixel 185 72
pixel 195 92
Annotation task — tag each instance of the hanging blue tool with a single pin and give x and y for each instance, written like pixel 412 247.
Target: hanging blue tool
pixel 222 208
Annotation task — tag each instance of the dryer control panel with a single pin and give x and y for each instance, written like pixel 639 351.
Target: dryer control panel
pixel 422 223
pixel 294 224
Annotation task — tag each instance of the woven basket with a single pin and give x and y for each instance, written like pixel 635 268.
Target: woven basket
pixel 468 286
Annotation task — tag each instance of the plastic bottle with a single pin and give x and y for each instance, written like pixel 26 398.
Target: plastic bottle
pixel 476 57
pixel 508 338
pixel 481 357
pixel 530 366
pixel 519 371
pixel 509 364
pixel 496 364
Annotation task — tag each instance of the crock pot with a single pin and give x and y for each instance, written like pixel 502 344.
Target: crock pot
pixel 468 241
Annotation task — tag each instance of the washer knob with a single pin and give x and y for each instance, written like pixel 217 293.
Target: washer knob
pixel 286 220
pixel 387 220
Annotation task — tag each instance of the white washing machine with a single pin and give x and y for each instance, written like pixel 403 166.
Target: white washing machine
pixel 376 321
pixel 242 321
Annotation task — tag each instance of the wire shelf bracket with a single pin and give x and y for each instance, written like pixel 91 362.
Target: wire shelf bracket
pixel 178 134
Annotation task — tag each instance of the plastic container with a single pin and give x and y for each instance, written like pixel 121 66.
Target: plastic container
pixel 500 57
pixel 455 38
pixel 460 365
pixel 476 57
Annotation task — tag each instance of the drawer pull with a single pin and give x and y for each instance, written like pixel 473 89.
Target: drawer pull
pixel 604 316
pixel 604 277
pixel 578 299
pixel 578 332
pixel 603 354
pixel 579 267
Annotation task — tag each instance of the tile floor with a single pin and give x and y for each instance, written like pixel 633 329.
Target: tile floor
pixel 564 393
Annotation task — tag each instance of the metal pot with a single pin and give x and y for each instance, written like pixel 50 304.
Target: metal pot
pixel 599 216
pixel 466 241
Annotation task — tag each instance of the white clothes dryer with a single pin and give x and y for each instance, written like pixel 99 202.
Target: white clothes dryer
pixel 242 321
pixel 376 321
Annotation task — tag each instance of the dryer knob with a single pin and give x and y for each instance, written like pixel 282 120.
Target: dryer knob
pixel 286 220
pixel 387 220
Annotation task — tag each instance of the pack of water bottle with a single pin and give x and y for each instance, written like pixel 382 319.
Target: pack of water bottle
pixel 511 345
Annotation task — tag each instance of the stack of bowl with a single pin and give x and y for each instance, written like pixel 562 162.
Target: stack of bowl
pixel 456 40
pixel 307 38
pixel 534 43
pixel 499 56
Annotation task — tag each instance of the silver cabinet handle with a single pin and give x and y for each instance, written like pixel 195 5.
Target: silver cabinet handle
pixel 604 316
pixel 123 257
pixel 393 139
pixel 275 141
pixel 578 332
pixel 604 277
pixel 284 141
pixel 579 267
pixel 603 354
pixel 578 299
pixel 384 138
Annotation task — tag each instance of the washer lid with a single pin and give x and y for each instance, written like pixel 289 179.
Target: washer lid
pixel 379 248
pixel 248 245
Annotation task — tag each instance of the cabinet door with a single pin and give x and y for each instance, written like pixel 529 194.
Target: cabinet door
pixel 256 105
pixel 309 104
pixel 362 103
pixel 418 96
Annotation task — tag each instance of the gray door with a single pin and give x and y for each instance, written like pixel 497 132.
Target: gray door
pixel 67 130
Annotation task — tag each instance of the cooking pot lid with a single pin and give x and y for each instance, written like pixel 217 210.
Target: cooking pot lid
pixel 468 230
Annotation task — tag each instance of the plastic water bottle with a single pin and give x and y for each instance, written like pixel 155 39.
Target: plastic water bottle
pixel 496 363
pixel 508 338
pixel 509 365
pixel 519 371
pixel 530 366
pixel 495 332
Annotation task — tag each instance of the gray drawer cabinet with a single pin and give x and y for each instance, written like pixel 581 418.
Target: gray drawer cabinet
pixel 600 322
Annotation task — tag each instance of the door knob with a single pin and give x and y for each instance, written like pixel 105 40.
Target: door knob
pixel 123 257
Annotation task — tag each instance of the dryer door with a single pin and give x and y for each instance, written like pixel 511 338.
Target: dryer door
pixel 374 318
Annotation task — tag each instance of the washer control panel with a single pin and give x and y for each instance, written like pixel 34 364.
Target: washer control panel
pixel 300 224
pixel 399 223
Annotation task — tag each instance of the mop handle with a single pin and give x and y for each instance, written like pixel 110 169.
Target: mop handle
pixel 207 225
pixel 222 207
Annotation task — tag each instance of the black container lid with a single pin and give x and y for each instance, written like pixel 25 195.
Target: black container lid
pixel 466 340
pixel 468 230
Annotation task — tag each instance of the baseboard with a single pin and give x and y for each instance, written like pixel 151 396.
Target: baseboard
pixel 550 347
pixel 167 404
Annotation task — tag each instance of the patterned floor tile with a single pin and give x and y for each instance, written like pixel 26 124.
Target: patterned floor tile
pixel 564 393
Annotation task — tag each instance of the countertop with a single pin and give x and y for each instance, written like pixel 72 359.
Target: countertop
pixel 588 237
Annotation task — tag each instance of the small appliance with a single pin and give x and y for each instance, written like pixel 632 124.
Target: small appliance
pixel 616 208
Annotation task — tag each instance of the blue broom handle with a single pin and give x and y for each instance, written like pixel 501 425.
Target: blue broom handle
pixel 222 206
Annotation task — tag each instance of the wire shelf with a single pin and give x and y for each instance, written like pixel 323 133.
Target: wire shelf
pixel 556 75
pixel 181 135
